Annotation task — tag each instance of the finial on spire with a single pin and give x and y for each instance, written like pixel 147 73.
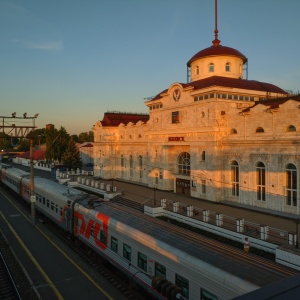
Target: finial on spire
pixel 216 41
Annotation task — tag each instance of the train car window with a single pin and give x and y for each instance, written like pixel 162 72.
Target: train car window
pixel 48 202
pixel 92 231
pixel 142 261
pixel 103 237
pixel 183 283
pixel 52 205
pixel 44 200
pixel 114 244
pixel 160 269
pixel 127 252
pixel 206 295
pixel 56 208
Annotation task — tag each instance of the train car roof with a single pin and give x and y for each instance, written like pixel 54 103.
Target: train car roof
pixel 14 171
pixel 55 189
pixel 176 243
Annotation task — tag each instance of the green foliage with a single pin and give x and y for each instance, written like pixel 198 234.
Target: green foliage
pixel 56 143
pixel 24 145
pixel 71 157
pixel 86 137
pixel 5 143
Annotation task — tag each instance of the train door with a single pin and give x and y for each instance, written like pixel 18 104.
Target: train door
pixel 183 186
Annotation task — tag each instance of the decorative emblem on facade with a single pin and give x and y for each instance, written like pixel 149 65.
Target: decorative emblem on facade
pixel 176 94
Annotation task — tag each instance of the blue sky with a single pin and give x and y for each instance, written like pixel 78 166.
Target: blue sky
pixel 72 60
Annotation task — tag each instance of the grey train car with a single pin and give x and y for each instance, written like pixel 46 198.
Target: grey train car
pixel 162 258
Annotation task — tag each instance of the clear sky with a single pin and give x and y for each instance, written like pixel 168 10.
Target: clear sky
pixel 72 60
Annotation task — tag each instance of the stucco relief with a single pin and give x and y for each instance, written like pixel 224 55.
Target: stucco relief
pixel 260 157
pixel 288 158
pixel 230 156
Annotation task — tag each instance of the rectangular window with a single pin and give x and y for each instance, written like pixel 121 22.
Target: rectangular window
pixel 52 205
pixel 127 252
pixel 212 95
pixel 218 95
pixel 229 96
pixel 206 295
pixel 201 97
pixel 161 175
pixel 206 96
pixel 183 283
pixel 251 98
pixel 103 236
pixel 114 244
pixel 160 269
pixel 247 98
pixel 142 261
pixel 196 99
pixel 223 96
pixel 236 97
pixel 175 117
pixel 48 202
pixel 241 97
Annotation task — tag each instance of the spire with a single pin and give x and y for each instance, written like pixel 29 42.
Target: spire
pixel 216 41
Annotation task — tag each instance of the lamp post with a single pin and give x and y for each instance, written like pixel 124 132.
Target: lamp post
pixel 297 222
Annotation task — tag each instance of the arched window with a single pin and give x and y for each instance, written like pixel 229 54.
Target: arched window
pixel 291 128
pixel 235 182
pixel 130 166
pixel 211 67
pixel 183 163
pixel 203 156
pixel 227 67
pixel 233 131
pixel 259 130
pixel 261 181
pixel 291 185
pixel 141 166
pixel 197 70
pixel 122 160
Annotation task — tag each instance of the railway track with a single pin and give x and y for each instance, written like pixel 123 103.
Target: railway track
pixel 13 282
pixel 104 268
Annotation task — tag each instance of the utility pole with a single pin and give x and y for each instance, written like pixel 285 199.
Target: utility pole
pixel 10 128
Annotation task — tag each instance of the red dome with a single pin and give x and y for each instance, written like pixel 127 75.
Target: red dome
pixel 216 51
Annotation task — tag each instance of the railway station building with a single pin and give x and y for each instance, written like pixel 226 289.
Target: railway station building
pixel 218 137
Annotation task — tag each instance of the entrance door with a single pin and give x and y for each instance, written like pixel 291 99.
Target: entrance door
pixel 183 186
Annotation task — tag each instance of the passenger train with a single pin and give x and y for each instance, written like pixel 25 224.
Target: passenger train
pixel 168 264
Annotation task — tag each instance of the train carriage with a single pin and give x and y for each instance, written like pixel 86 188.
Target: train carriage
pixel 145 250
pixel 161 257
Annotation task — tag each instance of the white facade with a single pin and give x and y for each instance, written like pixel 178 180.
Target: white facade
pixel 219 137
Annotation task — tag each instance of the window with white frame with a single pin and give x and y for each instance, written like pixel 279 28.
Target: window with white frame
pixel 261 181
pixel 291 185
pixel 234 178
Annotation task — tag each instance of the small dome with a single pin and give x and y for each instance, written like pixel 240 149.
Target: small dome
pixel 217 51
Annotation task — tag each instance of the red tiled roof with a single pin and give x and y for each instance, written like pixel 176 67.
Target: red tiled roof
pixel 216 51
pixel 37 155
pixel 232 83
pixel 115 119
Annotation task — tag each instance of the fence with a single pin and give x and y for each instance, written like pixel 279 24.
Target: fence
pixel 257 231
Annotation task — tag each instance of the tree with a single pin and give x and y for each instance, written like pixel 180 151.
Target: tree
pixel 71 157
pixel 56 143
pixel 86 137
pixel 5 143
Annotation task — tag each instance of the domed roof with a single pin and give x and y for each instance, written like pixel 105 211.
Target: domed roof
pixel 217 50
